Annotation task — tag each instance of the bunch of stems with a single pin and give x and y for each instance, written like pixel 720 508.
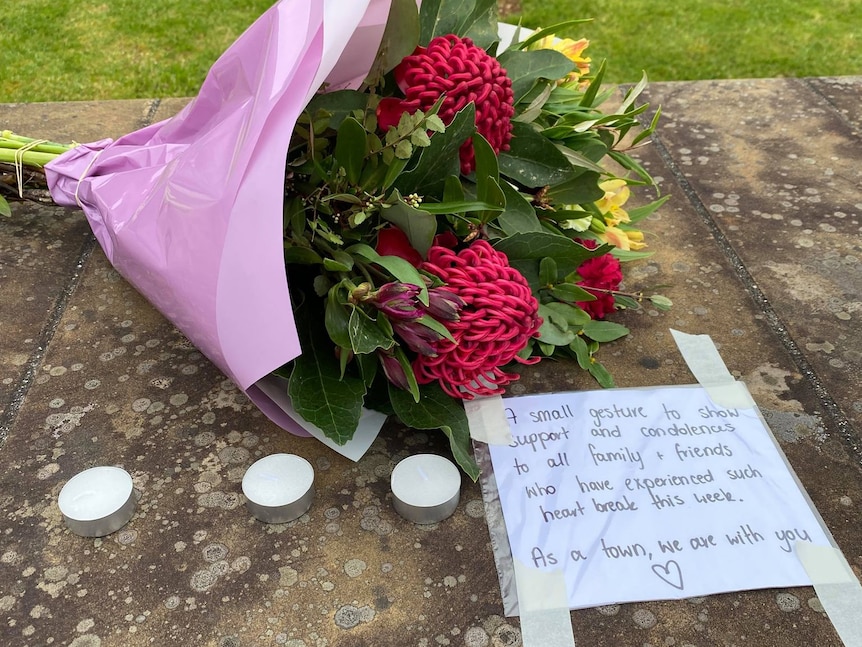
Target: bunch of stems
pixel 24 151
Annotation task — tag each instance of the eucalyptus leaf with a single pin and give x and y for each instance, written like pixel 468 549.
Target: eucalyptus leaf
pixel 436 410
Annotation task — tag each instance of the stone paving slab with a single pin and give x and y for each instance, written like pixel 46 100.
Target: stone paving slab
pixel 117 384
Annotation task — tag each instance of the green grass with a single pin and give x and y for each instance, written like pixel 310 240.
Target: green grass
pixel 52 50
pixel 676 40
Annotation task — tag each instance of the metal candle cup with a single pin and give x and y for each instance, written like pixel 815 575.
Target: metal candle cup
pixel 279 488
pixel 97 501
pixel 425 488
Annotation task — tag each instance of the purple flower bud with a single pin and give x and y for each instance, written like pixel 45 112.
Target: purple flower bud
pixel 393 370
pixel 444 304
pixel 418 337
pixel 398 301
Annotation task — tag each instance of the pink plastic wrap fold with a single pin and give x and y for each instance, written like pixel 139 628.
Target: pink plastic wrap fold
pixel 189 210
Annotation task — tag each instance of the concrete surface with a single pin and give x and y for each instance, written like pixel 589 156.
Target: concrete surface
pixel 760 247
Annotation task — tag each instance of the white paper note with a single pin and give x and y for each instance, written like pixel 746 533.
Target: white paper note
pixel 650 494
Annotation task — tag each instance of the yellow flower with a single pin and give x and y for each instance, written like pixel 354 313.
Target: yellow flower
pixel 624 239
pixel 571 49
pixel 611 205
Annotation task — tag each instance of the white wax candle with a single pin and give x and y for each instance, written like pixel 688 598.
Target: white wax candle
pixel 97 501
pixel 425 488
pixel 279 487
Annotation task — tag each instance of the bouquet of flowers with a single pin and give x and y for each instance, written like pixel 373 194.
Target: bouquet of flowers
pixel 374 205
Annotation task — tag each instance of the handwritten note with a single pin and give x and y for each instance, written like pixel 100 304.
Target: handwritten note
pixel 649 494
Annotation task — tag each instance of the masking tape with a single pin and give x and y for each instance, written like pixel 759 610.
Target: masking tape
pixel 837 589
pixel 487 420
pixel 703 360
pixel 543 607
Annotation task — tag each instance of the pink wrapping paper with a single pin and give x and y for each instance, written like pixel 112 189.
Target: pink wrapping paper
pixel 189 210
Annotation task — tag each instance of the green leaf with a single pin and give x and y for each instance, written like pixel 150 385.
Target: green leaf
pixel 589 98
pixel 639 213
pixel 393 170
pixel 601 374
pixel 487 178
pixel 625 255
pixel 337 318
pixel 475 19
pixel 524 251
pixel 571 293
pixel 316 389
pixel 547 271
pixel 553 30
pixel 604 331
pixel 430 322
pixel 441 159
pixel 340 262
pixel 350 148
pixel 400 38
pixel 420 138
pixel 582 353
pixel 301 255
pixel 554 329
pixel 339 104
pixel 573 315
pixel 581 189
pixel 533 160
pixel 417 224
pixel 463 206
pixel 436 410
pixel 365 335
pixel 519 216
pixel 661 302
pixel 368 369
pixel 626 302
pixel 398 267
pixel 5 209
pixel 403 150
pixel 525 68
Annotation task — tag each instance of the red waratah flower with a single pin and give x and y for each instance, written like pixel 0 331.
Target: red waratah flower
pixel 603 273
pixel 499 317
pixel 463 72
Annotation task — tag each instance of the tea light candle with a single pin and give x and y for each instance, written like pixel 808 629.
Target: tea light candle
pixel 279 488
pixel 97 501
pixel 425 488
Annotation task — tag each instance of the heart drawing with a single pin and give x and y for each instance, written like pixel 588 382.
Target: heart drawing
pixel 670 573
